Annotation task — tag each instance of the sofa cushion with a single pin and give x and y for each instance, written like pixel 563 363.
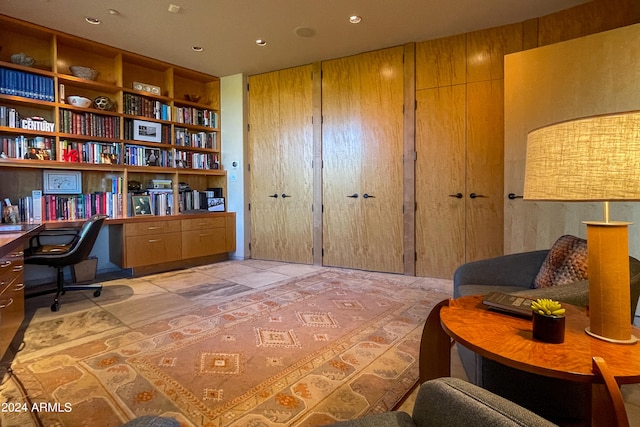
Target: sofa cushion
pixel 565 263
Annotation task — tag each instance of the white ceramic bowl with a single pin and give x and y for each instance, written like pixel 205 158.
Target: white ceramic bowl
pixel 79 101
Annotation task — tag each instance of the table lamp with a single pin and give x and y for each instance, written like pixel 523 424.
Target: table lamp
pixel 593 159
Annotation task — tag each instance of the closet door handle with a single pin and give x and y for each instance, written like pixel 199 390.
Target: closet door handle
pixel 366 196
pixel 274 195
pixel 284 195
pixel 354 196
pixel 457 195
pixel 513 196
pixel 474 195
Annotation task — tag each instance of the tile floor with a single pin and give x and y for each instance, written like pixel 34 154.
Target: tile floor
pixel 167 292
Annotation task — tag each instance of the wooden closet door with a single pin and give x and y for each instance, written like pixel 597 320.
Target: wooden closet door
pixel 362 100
pixel 440 180
pixel 280 152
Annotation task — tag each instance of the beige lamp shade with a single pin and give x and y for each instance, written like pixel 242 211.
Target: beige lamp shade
pixel 590 159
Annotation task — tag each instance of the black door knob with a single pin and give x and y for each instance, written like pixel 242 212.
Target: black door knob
pixel 275 195
pixel 457 195
pixel 354 196
pixel 474 195
pixel 284 196
pixel 512 196
pixel 366 196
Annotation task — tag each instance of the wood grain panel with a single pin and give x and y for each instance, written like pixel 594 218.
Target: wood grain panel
pixel 485 148
pixel 587 76
pixel 588 18
pixel 486 50
pixel 441 62
pixel 281 153
pixel 440 144
pixel 264 158
pixel 362 148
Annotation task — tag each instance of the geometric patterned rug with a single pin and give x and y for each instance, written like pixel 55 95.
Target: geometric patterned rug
pixel 329 346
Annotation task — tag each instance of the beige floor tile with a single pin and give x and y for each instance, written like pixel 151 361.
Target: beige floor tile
pixel 259 279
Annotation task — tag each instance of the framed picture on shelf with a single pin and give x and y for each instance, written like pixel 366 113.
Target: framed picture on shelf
pixel 141 205
pixel 147 131
pixel 62 182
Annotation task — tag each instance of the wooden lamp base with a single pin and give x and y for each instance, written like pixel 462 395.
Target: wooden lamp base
pixel 609 293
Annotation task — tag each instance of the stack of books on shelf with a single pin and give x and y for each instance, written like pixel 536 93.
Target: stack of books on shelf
pixel 194 200
pixel 140 155
pixel 187 138
pixel 191 160
pixel 90 152
pixel 26 85
pixel 23 147
pixel 89 124
pixel 137 105
pixel 196 116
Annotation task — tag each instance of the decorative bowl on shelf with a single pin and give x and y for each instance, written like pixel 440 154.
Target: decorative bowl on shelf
pixel 22 59
pixel 192 98
pixel 84 72
pixel 79 101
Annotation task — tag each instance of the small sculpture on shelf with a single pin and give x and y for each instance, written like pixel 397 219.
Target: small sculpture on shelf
pixel 104 103
pixel 22 59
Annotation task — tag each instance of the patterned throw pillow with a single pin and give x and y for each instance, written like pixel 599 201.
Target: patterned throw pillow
pixel 566 262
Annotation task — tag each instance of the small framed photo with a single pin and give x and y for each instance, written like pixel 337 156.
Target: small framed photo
pixel 147 131
pixel 141 205
pixel 62 182
pixel 215 204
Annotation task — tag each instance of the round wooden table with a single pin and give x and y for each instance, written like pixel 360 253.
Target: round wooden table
pixel 508 339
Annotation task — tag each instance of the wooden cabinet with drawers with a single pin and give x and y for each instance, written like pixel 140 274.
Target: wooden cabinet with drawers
pixel 11 292
pixel 171 241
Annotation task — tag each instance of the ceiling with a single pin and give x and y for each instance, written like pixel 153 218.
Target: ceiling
pixel 227 29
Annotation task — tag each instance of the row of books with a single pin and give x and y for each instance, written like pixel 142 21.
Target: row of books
pixel 196 116
pixel 137 105
pixel 27 85
pixel 27 147
pixel 89 124
pixel 52 207
pixel 138 155
pixel 90 152
pixel 187 138
pixel 200 200
pixel 191 160
pixel 9 117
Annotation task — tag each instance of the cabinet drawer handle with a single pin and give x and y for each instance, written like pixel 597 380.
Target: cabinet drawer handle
pixel 7 304
pixel 204 234
pixel 17 254
pixel 5 264
pixel 18 268
pixel 154 240
pixel 152 227
pixel 19 287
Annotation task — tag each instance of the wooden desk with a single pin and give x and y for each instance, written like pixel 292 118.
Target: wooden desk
pixel 509 340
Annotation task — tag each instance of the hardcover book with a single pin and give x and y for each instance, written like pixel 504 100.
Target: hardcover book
pixel 510 304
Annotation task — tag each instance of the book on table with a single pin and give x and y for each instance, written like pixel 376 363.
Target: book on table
pixel 511 304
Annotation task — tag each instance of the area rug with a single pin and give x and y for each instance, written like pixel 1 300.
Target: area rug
pixel 329 346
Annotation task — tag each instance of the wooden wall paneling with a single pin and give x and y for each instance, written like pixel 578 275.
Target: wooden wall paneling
pixel 317 163
pixel 342 163
pixel 588 18
pixel 362 149
pixel 486 49
pixel 281 153
pixel 296 157
pixel 409 161
pixel 592 75
pixel 441 62
pixel 264 152
pixel 485 148
pixel 440 176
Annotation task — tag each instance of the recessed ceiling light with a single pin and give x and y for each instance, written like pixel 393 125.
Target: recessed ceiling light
pixel 197 48
pixel 261 42
pixel 113 12
pixel 305 32
pixel 174 8
pixel 355 19
pixel 93 21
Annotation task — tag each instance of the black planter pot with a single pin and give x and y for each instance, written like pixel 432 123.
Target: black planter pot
pixel 548 329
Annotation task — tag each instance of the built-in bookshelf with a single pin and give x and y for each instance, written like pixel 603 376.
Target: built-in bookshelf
pixel 146 120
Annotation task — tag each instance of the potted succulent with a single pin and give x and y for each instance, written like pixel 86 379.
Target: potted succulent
pixel 548 320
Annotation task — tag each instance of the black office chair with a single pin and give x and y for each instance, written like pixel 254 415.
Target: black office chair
pixel 75 247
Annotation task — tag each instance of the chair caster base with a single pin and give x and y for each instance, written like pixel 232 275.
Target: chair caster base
pixel 55 306
pixel 97 293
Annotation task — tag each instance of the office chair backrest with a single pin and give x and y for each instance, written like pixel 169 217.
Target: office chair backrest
pixel 83 243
